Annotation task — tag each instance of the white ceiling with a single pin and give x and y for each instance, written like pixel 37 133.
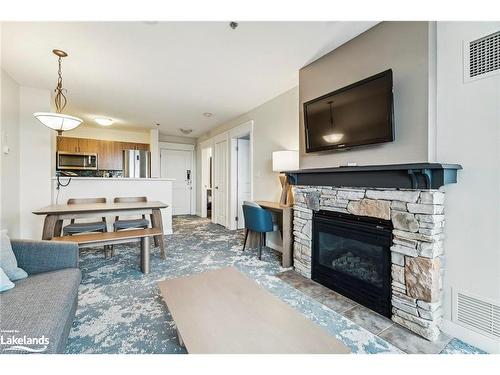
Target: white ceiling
pixel 142 73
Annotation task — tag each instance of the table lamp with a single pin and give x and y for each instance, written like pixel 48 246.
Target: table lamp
pixel 285 161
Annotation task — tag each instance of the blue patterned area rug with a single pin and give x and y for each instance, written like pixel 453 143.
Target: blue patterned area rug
pixel 121 311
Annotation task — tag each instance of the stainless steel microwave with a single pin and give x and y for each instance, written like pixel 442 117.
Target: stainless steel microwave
pixel 76 160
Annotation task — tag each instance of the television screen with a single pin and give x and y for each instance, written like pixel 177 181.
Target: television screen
pixel 356 115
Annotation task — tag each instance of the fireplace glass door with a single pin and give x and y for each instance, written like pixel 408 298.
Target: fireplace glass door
pixel 352 256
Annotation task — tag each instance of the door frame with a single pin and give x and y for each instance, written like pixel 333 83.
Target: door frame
pixel 203 199
pixel 239 131
pixel 184 147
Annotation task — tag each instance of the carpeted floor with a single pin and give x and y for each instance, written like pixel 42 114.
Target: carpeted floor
pixel 121 310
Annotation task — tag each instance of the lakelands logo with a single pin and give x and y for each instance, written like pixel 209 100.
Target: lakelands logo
pixel 13 341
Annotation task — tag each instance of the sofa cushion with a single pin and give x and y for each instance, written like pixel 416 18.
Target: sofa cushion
pixel 5 283
pixel 75 228
pixel 8 260
pixel 130 223
pixel 41 305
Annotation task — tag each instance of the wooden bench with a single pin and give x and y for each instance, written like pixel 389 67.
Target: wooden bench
pixel 113 238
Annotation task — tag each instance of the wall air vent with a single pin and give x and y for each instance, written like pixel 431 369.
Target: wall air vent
pixel 478 314
pixel 482 57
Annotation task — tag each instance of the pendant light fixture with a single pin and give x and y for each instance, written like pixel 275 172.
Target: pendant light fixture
pixel 56 120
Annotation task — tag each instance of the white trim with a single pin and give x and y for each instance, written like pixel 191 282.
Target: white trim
pixel 203 200
pixel 209 143
pixel 205 144
pixel 184 147
pixel 481 341
pixel 235 133
pixel 220 137
pixel 175 146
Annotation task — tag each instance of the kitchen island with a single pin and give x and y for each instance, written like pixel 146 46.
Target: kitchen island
pixel 155 189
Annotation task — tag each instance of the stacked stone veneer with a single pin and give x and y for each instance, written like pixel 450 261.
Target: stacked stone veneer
pixel 416 252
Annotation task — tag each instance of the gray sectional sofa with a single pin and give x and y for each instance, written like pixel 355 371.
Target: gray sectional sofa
pixel 44 304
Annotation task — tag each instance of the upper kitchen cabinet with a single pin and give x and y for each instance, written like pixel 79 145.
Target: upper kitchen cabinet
pixel 70 144
pixel 109 155
pixel 88 145
pixel 67 144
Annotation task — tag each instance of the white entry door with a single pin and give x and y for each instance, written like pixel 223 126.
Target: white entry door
pixel 178 164
pixel 244 192
pixel 220 182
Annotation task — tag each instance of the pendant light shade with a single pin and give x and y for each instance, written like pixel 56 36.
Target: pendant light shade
pixel 56 120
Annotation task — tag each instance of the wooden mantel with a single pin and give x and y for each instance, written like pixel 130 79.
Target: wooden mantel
pixel 402 176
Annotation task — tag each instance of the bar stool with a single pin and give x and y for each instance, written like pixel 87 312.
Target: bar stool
pixel 96 226
pixel 121 224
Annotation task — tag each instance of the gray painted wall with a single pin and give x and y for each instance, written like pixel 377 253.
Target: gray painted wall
pixel 402 46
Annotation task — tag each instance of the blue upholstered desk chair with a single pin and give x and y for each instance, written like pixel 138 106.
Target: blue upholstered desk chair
pixel 257 220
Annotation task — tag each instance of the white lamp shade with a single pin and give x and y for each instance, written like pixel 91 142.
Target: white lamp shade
pixel 57 121
pixel 285 161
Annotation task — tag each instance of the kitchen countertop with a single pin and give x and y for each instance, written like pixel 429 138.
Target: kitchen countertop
pixel 64 178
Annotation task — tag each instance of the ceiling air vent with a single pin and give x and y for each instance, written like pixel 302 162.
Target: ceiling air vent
pixel 478 314
pixel 482 57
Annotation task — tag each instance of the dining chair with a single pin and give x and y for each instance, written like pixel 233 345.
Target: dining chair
pixel 120 224
pixel 137 223
pixel 258 220
pixel 86 227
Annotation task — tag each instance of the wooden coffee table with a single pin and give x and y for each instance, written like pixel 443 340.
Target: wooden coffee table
pixel 224 311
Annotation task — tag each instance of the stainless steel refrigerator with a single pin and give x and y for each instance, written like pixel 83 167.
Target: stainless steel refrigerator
pixel 136 163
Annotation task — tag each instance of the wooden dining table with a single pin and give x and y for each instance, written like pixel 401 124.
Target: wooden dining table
pixel 55 215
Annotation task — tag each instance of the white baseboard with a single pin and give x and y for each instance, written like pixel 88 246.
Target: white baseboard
pixel 198 213
pixel 471 337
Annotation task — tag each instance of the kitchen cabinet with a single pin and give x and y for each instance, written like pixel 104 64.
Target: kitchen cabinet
pixel 67 144
pixel 70 144
pixel 88 145
pixel 109 153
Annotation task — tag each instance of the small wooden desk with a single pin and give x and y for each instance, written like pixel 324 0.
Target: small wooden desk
pixel 286 215
pixel 55 214
pixel 225 312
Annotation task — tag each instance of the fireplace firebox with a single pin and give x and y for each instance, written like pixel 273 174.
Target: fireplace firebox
pixel 351 255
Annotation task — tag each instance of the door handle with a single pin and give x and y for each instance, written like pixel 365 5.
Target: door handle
pixel 217 188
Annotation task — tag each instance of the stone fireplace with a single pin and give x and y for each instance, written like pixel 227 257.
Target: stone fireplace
pixel 415 215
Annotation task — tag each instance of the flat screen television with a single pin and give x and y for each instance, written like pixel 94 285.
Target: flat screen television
pixel 356 115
